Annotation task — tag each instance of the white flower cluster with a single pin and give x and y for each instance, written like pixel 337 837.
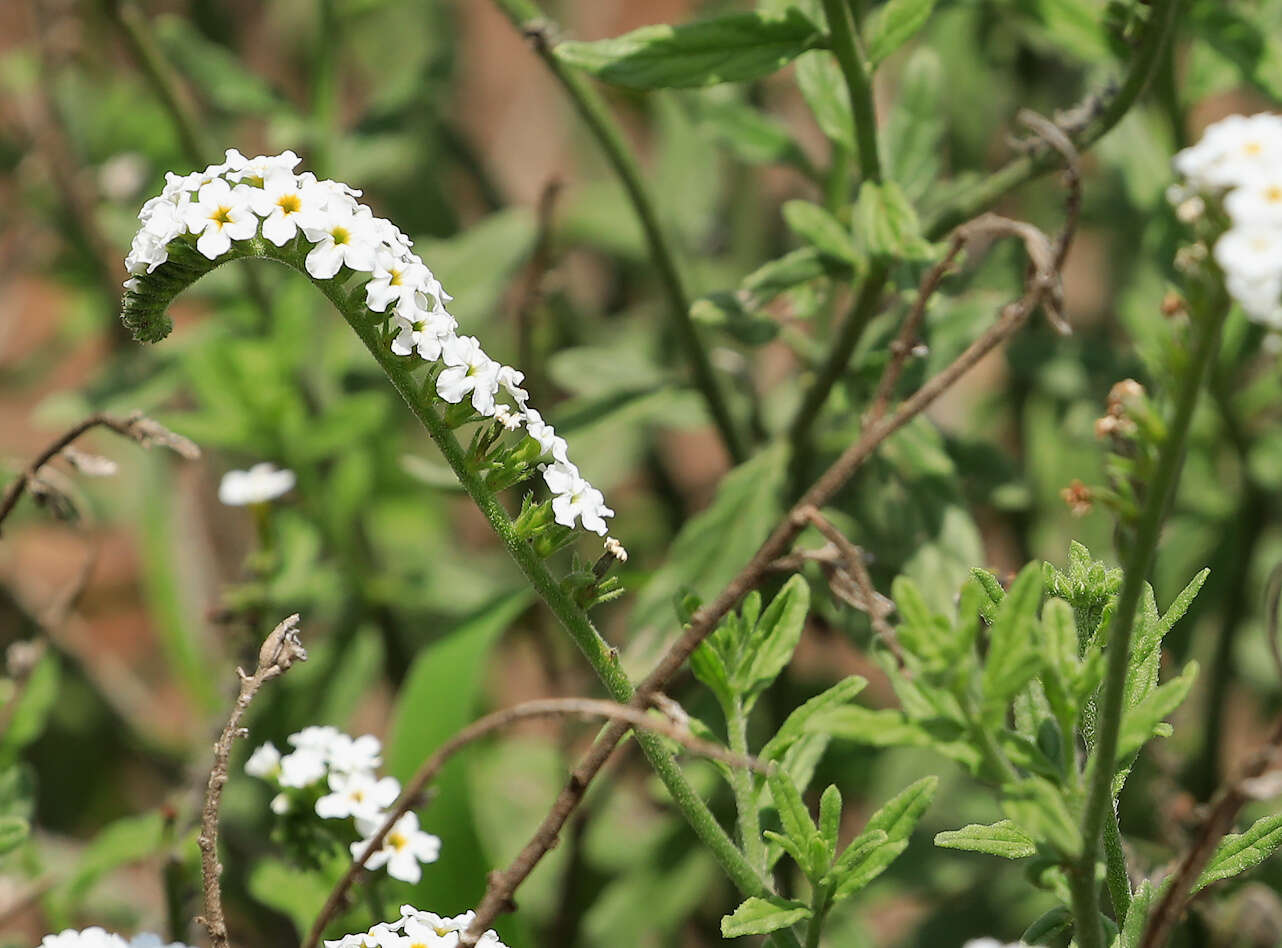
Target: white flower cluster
pixel 1240 159
pixel 242 198
pixel 100 938
pixel 415 929
pixel 342 769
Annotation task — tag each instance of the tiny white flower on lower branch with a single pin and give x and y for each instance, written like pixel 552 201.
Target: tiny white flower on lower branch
pixel 395 281
pixel 353 754
pixel 425 923
pixel 576 498
pixel 264 762
pixel 404 848
pixel 302 768
pixel 423 332
pixel 93 937
pixel 469 370
pixel 261 483
pixel 358 795
pixel 219 215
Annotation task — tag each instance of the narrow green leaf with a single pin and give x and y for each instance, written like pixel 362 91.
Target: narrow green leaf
pixel 772 642
pixel 14 831
pixel 793 269
pixel 1004 839
pixel 1013 656
pixel 27 720
pixel 821 230
pixel 853 856
pixel 1238 853
pixel 1038 806
pixel 732 48
pixel 1176 610
pixel 1141 721
pixel 1137 916
pixel 758 916
pixel 898 817
pixel 870 866
pixel 795 725
pixel 821 83
pixel 887 224
pixel 708 667
pixel 894 24
pixel 882 727
pixel 830 817
pixel 1055 922
pixel 750 134
pixel 793 813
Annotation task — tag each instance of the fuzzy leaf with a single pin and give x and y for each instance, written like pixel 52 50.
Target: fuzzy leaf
pixel 14 831
pixel 732 48
pixel 821 83
pixel 757 916
pixel 887 225
pixel 1037 805
pixel 796 725
pixel 821 230
pixel 893 25
pixel 1240 852
pixel 899 815
pixel 830 817
pixel 1013 656
pixel 1142 721
pixel 770 645
pixel 1004 839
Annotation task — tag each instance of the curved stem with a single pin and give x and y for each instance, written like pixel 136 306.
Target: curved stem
pixel 858 85
pixel 745 793
pixel 1209 319
pixel 528 19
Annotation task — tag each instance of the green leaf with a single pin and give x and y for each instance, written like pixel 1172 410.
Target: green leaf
pixel 127 840
pixel 898 817
pixel 297 893
pixel 915 129
pixel 893 25
pixel 886 223
pixel 796 724
pixel 14 831
pixel 27 720
pixel 750 134
pixel 1038 806
pixel 821 230
pixel 1137 915
pixel 1238 853
pixel 1055 922
pixel 792 269
pixel 219 73
pixel 793 813
pixel 1004 839
pixel 732 48
pixel 882 727
pixel 757 916
pixel 871 864
pixel 854 858
pixel 1013 655
pixel 771 643
pixel 1142 721
pixel 824 89
pixel 830 817
pixel 708 667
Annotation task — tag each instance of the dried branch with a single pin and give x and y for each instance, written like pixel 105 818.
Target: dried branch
pixel 280 650
pixel 1042 289
pixel 542 708
pixel 136 426
pixel 1219 821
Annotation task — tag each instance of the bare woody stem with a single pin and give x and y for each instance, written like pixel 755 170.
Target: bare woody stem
pixel 1209 315
pixel 1036 161
pixel 526 17
pixel 1043 287
pixel 543 708
pixel 280 650
pixel 136 427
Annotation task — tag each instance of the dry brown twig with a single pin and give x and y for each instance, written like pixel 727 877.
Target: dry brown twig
pixel 136 426
pixel 1042 289
pixel 279 651
pixel 676 730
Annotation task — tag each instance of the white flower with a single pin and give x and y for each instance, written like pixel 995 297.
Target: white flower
pixel 382 935
pixel 1257 201
pixel 358 795
pixel 404 847
pixel 510 379
pixel 394 283
pixel 616 549
pixel 1232 151
pixel 348 755
pixel 220 214
pixel 93 937
pixel 1252 252
pixel 470 370
pixel 150 940
pixel 507 418
pixel 546 436
pixel 283 204
pixel 257 170
pixel 302 768
pixel 576 498
pixel 261 483
pixel 423 332
pixel 281 804
pixel 316 737
pixel 341 238
pixel 264 762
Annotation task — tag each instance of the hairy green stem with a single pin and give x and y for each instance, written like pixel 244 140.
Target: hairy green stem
pixel 1208 313
pixel 1115 873
pixel 527 18
pixel 744 787
pixel 858 84
pixel 819 914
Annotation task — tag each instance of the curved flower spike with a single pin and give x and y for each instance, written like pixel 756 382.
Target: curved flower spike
pixel 260 207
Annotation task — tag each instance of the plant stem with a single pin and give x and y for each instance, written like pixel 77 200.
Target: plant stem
pixel 1209 318
pixel 858 84
pixel 744 786
pixel 1116 875
pixel 528 19
pixel 814 928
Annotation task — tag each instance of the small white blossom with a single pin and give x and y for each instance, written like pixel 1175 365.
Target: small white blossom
pixel 576 498
pixel 422 332
pixel 281 804
pixel 616 549
pixel 261 483
pixel 510 379
pixel 93 937
pixel 302 768
pixel 340 238
pixel 395 283
pixel 220 214
pixel 283 205
pixel 403 849
pixel 507 418
pixel 151 940
pixel 357 795
pixel 469 370
pixel 546 436
pixel 351 755
pixel 264 762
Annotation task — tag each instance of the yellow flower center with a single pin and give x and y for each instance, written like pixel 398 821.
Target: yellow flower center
pixel 397 840
pixel 1273 194
pixel 358 796
pixel 289 203
pixel 1253 149
pixel 395 278
pixel 221 216
pixel 341 235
